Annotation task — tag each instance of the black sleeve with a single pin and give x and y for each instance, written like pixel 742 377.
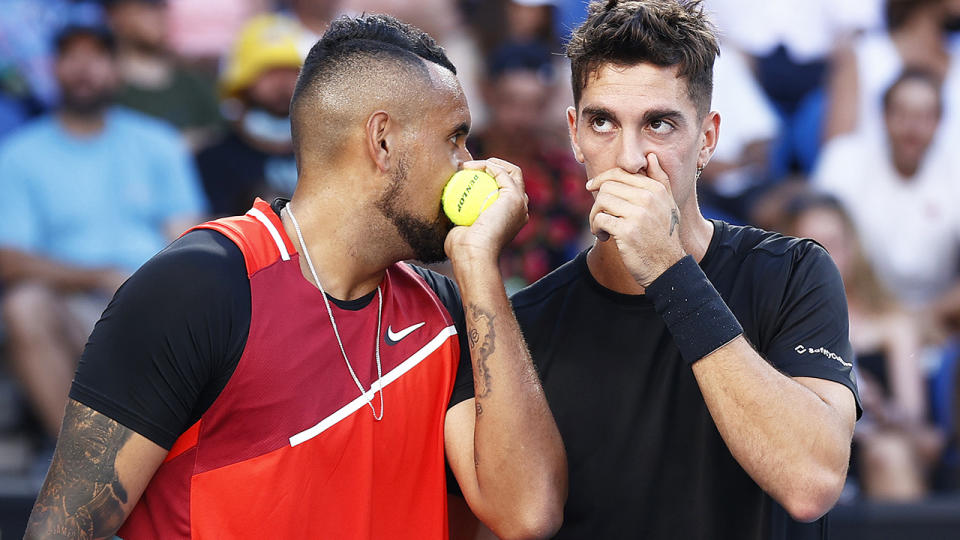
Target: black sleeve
pixel 449 294
pixel 811 336
pixel 170 339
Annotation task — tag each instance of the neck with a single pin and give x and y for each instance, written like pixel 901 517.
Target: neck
pixel 608 269
pixel 344 257
pixel 82 124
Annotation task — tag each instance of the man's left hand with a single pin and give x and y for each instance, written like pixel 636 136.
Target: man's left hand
pixel 498 224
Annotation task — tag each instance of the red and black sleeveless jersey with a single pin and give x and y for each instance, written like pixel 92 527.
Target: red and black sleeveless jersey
pixel 290 447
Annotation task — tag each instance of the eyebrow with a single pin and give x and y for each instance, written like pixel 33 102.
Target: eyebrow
pixel 593 110
pixel 649 116
pixel 462 129
pixel 661 114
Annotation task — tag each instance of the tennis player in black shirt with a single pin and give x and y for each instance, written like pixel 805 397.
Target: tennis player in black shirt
pixel 700 373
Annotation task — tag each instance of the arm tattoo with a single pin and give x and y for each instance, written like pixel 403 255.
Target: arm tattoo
pixel 674 220
pixel 482 337
pixel 82 496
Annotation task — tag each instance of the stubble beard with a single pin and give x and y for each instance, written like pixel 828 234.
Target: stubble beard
pixel 90 107
pixel 425 238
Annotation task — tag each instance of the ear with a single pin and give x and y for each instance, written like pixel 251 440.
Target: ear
pixel 572 128
pixel 710 133
pixel 380 138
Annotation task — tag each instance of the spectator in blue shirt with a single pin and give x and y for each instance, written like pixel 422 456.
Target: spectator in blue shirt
pixel 87 194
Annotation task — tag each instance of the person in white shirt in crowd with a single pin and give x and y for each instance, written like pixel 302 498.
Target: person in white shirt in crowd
pixel 902 197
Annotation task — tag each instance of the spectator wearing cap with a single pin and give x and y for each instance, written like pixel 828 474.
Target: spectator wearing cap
pixel 519 79
pixel 255 157
pixel 90 192
pixel 153 81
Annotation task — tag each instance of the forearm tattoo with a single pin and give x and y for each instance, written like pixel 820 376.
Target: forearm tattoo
pixel 482 338
pixel 82 496
pixel 674 220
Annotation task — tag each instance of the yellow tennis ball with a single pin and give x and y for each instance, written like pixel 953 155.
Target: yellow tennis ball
pixel 467 194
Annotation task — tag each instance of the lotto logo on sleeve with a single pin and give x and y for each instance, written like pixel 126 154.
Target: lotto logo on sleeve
pixel 822 350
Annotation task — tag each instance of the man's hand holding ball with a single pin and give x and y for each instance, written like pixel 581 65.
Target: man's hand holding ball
pixel 487 220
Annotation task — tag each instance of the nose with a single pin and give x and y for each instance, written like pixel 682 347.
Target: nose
pixel 463 155
pixel 632 154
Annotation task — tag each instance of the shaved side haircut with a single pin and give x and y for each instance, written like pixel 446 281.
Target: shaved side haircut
pixel 359 63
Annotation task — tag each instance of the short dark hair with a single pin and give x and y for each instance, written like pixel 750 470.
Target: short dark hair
pixel 919 75
pixel 661 32
pixel 372 36
pixel 100 33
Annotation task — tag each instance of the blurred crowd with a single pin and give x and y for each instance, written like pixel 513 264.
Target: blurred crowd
pixel 123 122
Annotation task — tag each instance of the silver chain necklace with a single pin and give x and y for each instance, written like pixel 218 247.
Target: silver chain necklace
pixel 323 293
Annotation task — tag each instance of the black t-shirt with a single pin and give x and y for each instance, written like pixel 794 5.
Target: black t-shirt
pixel 645 458
pixel 172 336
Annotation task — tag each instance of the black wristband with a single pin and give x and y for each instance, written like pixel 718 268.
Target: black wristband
pixel 696 315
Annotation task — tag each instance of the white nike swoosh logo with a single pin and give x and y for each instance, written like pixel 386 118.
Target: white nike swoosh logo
pixel 394 337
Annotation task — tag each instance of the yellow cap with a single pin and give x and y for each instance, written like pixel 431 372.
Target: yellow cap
pixel 266 42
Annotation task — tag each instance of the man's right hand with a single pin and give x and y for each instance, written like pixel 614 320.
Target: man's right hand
pixel 639 213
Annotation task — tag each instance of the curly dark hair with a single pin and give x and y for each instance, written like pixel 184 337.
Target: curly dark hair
pixel 661 32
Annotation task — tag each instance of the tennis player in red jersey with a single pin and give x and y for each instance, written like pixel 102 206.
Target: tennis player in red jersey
pixel 283 375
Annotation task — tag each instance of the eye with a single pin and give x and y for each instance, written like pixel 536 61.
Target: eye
pixel 601 124
pixel 661 127
pixel 458 139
